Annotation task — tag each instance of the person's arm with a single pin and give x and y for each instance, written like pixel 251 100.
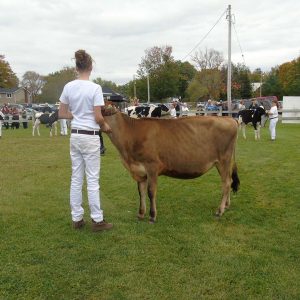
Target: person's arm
pixel 63 112
pixel 100 120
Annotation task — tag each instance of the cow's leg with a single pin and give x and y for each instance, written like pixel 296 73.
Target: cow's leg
pixel 50 130
pixel 55 128
pixel 244 130
pixel 225 173
pixel 142 188
pixel 35 127
pixel 258 131
pixel 152 190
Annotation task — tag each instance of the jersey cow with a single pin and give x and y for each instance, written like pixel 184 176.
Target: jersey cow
pixel 151 111
pixel 44 118
pixel 152 147
pixel 253 116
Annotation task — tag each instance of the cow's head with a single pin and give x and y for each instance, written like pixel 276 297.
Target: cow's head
pixel 108 110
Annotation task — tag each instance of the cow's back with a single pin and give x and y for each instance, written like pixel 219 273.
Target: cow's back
pixel 183 148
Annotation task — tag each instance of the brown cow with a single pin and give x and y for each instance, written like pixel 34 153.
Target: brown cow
pixel 182 148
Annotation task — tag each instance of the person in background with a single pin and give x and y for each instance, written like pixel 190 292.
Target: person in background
pixel 177 108
pixel 273 116
pixel 6 112
pixel 184 109
pixel 241 105
pixel 173 110
pixel 63 127
pixel 253 104
pixel 24 119
pixel 81 101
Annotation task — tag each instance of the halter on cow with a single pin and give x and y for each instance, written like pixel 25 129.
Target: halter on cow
pixel 253 116
pixel 45 118
pixel 151 147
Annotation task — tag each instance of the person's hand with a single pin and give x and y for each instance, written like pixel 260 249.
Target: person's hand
pixel 105 128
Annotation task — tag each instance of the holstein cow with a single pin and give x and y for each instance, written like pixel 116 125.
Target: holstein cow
pixel 151 111
pixel 45 118
pixel 253 116
pixel 181 148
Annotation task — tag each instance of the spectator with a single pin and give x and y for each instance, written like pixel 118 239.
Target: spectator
pixel 241 105
pixel 24 119
pixel 184 109
pixel 210 106
pixel 173 110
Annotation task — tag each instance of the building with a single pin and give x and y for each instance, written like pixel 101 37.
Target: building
pixel 110 95
pixel 14 95
pixel 118 99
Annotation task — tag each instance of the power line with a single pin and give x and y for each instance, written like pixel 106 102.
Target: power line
pixel 233 23
pixel 205 36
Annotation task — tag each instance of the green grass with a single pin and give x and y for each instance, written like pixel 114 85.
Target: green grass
pixel 252 252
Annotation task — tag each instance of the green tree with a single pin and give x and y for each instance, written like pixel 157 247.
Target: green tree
pixel 271 85
pixel 54 84
pixel 240 82
pixel 33 82
pixel 206 84
pixel 8 78
pixel 186 74
pixel 106 83
pixel 163 72
pixel 289 77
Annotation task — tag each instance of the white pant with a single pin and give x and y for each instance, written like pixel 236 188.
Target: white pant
pixel 63 127
pixel 272 128
pixel 85 157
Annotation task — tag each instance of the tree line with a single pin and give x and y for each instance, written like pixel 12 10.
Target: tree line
pixel 204 78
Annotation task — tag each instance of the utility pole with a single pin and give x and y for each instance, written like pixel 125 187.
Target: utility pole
pixel 261 75
pixel 229 61
pixel 134 87
pixel 148 88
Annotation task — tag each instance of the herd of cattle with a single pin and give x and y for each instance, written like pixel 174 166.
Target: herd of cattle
pixel 256 117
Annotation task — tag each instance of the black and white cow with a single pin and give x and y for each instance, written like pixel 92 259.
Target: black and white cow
pixel 45 118
pixel 253 116
pixel 151 111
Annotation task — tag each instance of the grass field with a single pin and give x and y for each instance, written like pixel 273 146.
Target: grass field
pixel 252 252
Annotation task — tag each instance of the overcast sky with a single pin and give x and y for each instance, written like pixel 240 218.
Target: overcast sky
pixel 42 35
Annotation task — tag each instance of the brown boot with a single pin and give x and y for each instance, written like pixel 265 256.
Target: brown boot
pixel 78 224
pixel 99 226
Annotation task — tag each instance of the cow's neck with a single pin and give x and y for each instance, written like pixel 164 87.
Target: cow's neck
pixel 119 126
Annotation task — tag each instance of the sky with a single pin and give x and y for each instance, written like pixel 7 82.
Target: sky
pixel 42 35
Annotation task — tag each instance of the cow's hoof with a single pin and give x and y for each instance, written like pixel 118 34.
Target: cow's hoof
pixel 140 217
pixel 152 221
pixel 218 213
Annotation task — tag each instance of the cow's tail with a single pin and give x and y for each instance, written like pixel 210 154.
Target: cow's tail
pixel 234 175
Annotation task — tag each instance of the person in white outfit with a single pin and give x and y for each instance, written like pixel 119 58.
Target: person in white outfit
pixel 81 101
pixel 63 127
pixel 273 116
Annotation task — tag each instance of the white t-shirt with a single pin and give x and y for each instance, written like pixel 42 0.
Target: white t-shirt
pixel 82 96
pixel 274 112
